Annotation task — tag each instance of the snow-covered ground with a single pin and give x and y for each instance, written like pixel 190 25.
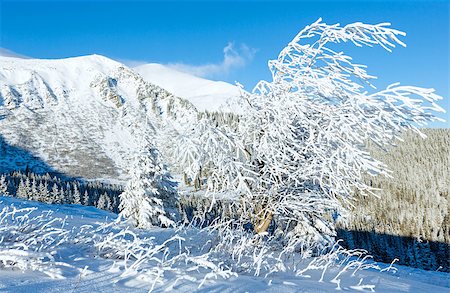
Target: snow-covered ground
pixel 80 260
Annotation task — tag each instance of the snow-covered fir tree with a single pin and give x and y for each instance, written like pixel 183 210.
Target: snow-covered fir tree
pixel 62 196
pixel 55 194
pixel 76 195
pixel 3 186
pixel 22 191
pixel 148 191
pixel 104 202
pixel 86 200
pixel 43 191
pixel 34 190
pixel 68 195
pixel 27 187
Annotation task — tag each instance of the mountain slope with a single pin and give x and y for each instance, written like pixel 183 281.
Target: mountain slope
pixel 206 95
pixel 83 116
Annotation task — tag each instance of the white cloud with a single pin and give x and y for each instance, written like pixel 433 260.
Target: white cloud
pixel 233 58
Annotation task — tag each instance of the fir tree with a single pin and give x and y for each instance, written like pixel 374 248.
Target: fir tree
pixel 141 202
pixel 21 190
pixel 3 186
pixel 43 191
pixel 86 198
pixel 62 196
pixel 34 190
pixel 28 187
pixel 76 195
pixel 104 202
pixel 54 194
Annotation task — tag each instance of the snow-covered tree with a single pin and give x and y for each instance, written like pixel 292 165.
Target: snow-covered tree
pixel 86 200
pixel 34 190
pixel 55 194
pixel 76 195
pixel 3 186
pixel 62 196
pixel 104 202
pixel 43 191
pixel 68 195
pixel 148 191
pixel 299 151
pixel 22 191
pixel 27 189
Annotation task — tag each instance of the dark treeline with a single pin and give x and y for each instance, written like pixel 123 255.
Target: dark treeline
pixel 410 251
pixel 59 190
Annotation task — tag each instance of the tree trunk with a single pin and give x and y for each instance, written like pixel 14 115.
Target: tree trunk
pixel 263 221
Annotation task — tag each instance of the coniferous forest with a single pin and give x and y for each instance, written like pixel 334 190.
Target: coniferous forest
pixel 410 220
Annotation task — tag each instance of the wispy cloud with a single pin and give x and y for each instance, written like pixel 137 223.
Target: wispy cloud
pixel 8 53
pixel 233 58
pixel 131 63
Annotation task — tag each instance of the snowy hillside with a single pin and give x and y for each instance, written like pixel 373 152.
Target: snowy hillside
pixel 70 247
pixel 204 94
pixel 81 116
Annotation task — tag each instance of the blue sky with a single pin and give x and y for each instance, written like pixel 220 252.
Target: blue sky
pixel 229 41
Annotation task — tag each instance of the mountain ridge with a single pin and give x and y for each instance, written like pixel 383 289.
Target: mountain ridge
pixel 84 116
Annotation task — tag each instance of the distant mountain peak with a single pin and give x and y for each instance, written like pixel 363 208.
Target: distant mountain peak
pixel 206 95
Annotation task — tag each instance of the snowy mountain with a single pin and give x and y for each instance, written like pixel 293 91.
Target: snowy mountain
pixel 81 116
pixel 206 95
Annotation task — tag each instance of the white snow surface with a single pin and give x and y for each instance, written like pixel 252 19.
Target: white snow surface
pixel 77 268
pixel 206 95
